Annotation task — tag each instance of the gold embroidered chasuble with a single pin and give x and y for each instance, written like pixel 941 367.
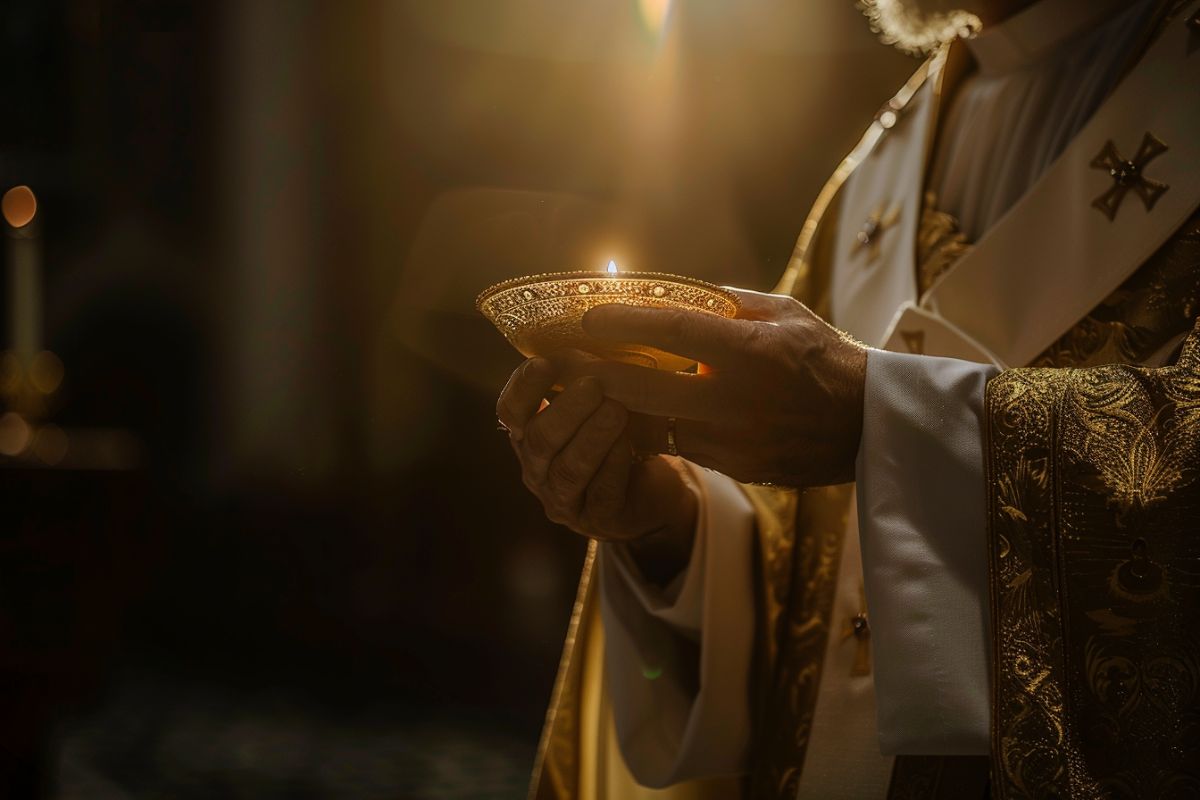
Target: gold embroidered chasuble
pixel 1093 470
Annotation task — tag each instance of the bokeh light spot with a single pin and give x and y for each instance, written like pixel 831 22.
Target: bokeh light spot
pixel 651 673
pixel 19 206
pixel 15 434
pixel 10 373
pixel 46 372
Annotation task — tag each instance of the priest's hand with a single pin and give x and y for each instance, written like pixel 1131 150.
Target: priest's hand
pixel 577 457
pixel 780 399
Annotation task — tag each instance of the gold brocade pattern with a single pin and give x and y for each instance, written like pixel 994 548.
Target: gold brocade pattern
pixel 799 578
pixel 1143 315
pixel 940 243
pixel 1095 571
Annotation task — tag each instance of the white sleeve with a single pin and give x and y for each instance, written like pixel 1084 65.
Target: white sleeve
pixel 677 660
pixel 921 508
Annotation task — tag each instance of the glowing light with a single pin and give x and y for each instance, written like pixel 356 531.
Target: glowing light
pixel 612 267
pixel 15 434
pixel 46 372
pixel 10 373
pixel 19 206
pixel 654 14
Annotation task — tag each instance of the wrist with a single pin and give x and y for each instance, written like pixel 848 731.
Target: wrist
pixel 664 552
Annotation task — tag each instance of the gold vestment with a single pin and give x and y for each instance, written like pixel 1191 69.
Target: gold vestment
pixel 1093 470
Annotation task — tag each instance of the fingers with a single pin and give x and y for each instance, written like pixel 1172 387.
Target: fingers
pixel 707 338
pixel 644 390
pixel 695 441
pixel 577 463
pixel 522 395
pixel 763 306
pixel 551 430
pixel 605 499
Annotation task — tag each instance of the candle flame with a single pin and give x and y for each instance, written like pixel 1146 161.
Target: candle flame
pixel 612 267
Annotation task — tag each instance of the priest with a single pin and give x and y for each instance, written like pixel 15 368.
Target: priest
pixel 927 523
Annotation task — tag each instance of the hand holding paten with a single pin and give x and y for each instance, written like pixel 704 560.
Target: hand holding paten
pixel 577 458
pixel 779 399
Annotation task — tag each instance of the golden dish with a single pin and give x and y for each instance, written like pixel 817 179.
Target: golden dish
pixel 539 314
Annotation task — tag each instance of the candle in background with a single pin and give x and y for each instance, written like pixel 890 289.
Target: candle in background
pixel 24 273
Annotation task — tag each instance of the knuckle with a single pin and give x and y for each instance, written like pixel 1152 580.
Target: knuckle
pixel 606 496
pixel 611 415
pixel 565 473
pixel 558 511
pixel 531 482
pixel 537 442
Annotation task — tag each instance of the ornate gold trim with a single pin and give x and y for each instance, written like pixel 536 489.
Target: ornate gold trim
pixel 555 779
pixel 794 281
pixel 799 565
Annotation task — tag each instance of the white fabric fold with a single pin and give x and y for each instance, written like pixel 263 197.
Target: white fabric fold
pixel 922 524
pixel 681 701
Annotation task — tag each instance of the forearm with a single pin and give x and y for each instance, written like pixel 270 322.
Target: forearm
pixel 662 554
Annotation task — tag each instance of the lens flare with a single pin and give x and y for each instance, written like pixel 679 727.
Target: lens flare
pixel 654 14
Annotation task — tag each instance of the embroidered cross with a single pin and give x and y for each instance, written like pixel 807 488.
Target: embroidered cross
pixel 858 628
pixel 1127 175
pixel 873 229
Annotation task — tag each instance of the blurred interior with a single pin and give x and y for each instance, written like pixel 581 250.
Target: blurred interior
pixel 260 535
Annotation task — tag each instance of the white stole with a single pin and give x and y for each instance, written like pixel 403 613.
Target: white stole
pixel 1050 259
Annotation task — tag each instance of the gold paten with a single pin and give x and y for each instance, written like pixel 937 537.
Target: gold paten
pixel 540 314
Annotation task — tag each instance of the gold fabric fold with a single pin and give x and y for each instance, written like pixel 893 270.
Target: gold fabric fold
pixel 578 758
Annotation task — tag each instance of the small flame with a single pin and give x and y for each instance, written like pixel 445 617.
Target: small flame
pixel 612 267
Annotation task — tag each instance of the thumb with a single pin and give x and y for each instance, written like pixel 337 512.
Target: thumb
pixel 762 306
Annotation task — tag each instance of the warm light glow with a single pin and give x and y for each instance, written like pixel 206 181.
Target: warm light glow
pixel 654 14
pixel 46 372
pixel 19 206
pixel 15 434
pixel 612 267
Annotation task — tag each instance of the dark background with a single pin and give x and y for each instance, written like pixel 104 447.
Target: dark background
pixel 262 226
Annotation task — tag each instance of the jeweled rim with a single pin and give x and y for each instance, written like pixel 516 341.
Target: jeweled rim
pixel 589 274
